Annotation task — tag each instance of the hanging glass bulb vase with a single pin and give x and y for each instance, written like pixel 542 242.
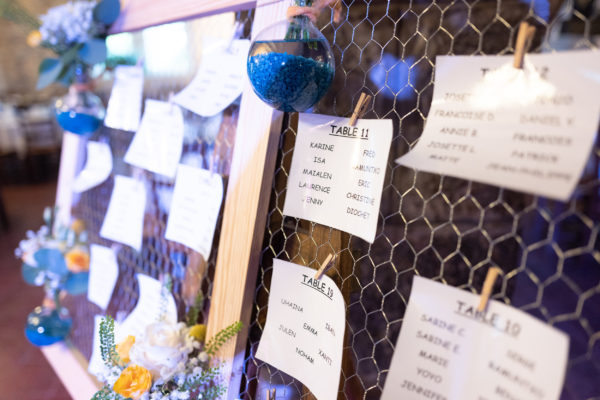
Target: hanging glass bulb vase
pixel 48 323
pixel 290 64
pixel 80 111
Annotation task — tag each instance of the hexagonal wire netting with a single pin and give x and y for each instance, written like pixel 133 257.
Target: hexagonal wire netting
pixel 447 229
pixel 208 143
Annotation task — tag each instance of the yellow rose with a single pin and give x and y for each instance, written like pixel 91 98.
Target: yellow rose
pixel 198 332
pixel 133 382
pixel 34 38
pixel 124 347
pixel 78 260
pixel 78 226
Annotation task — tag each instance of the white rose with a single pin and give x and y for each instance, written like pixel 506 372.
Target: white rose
pixel 161 349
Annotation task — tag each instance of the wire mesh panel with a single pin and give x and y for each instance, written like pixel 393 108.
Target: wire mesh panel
pixel 208 144
pixel 443 228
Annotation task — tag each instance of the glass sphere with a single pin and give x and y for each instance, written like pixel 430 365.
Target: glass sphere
pixel 291 65
pixel 80 111
pixel 46 325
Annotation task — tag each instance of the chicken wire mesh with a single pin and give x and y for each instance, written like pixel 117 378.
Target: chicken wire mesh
pixel 208 143
pixel 443 228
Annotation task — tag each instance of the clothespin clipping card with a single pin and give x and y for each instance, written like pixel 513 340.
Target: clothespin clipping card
pixel 488 285
pixel 324 267
pixel 271 394
pixel 361 108
pixel 524 39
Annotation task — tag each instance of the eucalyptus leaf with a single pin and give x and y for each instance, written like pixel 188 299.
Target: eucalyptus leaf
pixel 52 260
pixel 77 283
pixel 107 11
pixel 67 75
pixel 30 274
pixel 49 70
pixel 93 51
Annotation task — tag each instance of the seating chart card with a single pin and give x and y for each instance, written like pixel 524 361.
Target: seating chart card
pixel 447 350
pixel 529 129
pixel 104 272
pixel 97 168
pixel 125 103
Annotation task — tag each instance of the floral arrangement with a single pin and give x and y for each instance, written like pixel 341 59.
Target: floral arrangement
pixel 169 361
pixel 56 257
pixel 75 32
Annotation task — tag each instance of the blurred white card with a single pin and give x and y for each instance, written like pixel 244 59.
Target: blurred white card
pixel 154 302
pixel 104 272
pixel 195 208
pixel 96 365
pixel 449 350
pixel 529 129
pixel 304 333
pixel 219 80
pixel 157 145
pixel 97 168
pixel 125 103
pixel 124 219
pixel 337 172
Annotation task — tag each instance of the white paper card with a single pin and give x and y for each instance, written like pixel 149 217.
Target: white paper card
pixel 337 172
pixel 157 145
pixel 96 365
pixel 448 351
pixel 304 333
pixel 97 168
pixel 125 103
pixel 219 80
pixel 530 130
pixel 150 308
pixel 104 272
pixel 124 219
pixel 195 208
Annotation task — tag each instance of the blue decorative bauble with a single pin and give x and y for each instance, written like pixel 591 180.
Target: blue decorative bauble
pixel 47 325
pixel 291 65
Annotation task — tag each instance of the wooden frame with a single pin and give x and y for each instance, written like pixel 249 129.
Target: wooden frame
pixel 250 181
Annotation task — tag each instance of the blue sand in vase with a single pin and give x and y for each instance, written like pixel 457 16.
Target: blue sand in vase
pixel 286 81
pixel 45 326
pixel 79 123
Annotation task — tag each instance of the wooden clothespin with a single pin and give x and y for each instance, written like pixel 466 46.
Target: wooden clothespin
pixel 488 285
pixel 271 394
pixel 524 39
pixel 324 267
pixel 361 107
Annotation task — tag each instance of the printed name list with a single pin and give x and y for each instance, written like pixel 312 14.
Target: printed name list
pixel 447 350
pixel 337 173
pixel 529 129
pixel 304 334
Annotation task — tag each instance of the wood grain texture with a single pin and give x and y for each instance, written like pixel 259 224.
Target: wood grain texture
pixel 245 211
pixel 139 14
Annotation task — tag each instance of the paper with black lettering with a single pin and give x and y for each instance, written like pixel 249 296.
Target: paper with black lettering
pixel 158 144
pixel 124 219
pixel 219 80
pixel 154 303
pixel 104 272
pixel 337 172
pixel 125 103
pixel 304 333
pixel 195 208
pixel 448 351
pixel 97 168
pixel 529 129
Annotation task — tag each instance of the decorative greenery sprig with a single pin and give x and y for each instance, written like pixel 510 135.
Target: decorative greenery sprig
pixel 108 350
pixel 215 343
pixel 191 317
pixel 106 393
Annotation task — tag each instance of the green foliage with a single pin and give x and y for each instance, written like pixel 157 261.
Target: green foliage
pixel 107 343
pixel 206 377
pixel 30 274
pixel 51 260
pixel 49 70
pixel 93 51
pixel 191 317
pixel 107 11
pixel 77 283
pixel 106 393
pixel 215 343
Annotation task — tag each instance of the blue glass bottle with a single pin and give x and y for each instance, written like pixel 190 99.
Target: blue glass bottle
pixel 48 323
pixel 291 65
pixel 80 111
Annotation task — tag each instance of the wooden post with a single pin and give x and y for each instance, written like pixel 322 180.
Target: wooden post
pixel 245 212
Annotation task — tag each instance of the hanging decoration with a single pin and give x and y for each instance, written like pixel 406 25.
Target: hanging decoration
pixel 290 63
pixel 57 258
